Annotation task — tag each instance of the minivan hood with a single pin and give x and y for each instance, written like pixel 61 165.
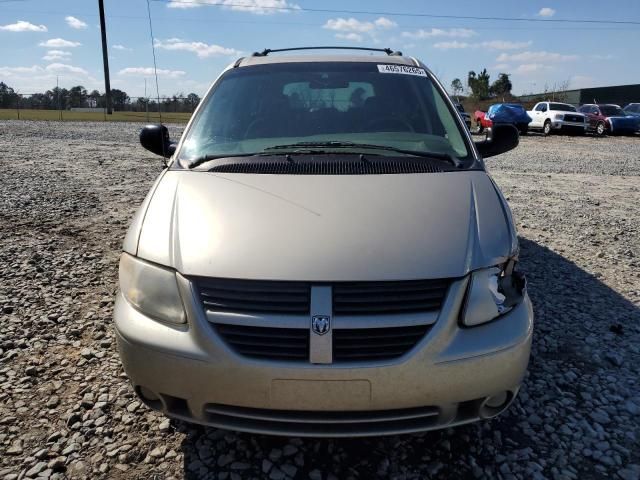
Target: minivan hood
pixel 328 227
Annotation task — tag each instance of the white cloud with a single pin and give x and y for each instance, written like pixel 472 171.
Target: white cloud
pixel 22 26
pixel 201 49
pixel 354 25
pixel 65 68
pixel 59 43
pixel 39 79
pixel 120 47
pixel 546 12
pixel 56 55
pixel 439 32
pixel 13 71
pixel 76 23
pixel 452 45
pixel 353 37
pixel 259 7
pixel 148 71
pixel 491 44
pixel 535 57
pixel 353 29
pixel 505 45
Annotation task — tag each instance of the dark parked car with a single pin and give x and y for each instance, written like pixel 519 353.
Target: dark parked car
pixel 465 116
pixel 633 109
pixel 504 113
pixel 608 119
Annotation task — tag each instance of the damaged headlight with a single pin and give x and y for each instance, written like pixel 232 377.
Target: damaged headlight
pixel 491 292
pixel 151 289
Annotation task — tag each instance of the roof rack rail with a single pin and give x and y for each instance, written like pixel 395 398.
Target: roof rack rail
pixel 267 51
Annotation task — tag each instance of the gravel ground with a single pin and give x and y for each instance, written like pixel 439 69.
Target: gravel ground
pixel 66 410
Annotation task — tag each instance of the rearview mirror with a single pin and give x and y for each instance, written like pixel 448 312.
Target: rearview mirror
pixel 155 138
pixel 503 137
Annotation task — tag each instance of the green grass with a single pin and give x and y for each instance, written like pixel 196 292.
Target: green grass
pixel 68 116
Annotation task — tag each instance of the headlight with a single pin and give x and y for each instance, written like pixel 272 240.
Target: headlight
pixel 559 116
pixel 151 289
pixel 491 292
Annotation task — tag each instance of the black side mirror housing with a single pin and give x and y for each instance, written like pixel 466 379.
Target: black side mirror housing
pixel 503 137
pixel 155 138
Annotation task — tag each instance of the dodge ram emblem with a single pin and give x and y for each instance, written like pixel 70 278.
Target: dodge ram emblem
pixel 320 324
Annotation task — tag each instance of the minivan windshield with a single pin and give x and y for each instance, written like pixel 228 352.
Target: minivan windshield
pixel 318 106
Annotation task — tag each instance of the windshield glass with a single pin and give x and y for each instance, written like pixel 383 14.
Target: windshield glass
pixel 611 110
pixel 260 107
pixel 563 107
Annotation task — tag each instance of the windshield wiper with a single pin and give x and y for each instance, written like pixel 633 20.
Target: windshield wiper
pixel 338 144
pixel 206 158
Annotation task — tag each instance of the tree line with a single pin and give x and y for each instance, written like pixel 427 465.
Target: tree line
pixel 78 97
pixel 479 85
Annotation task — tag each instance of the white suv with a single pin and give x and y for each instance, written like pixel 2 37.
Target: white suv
pixel 559 117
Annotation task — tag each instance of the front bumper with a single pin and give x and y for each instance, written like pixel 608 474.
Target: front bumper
pixel 561 125
pixel 188 372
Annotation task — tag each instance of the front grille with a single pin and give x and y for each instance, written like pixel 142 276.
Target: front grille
pixel 371 298
pixel 266 342
pixel 366 344
pixel 573 118
pixel 238 296
pixel 331 423
pixel 263 301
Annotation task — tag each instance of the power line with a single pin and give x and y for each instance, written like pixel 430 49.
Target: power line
pixel 400 14
pixel 552 27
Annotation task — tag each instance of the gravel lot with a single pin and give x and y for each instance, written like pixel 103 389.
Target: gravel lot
pixel 66 410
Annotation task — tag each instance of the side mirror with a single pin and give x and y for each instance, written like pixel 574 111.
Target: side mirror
pixel 503 137
pixel 155 138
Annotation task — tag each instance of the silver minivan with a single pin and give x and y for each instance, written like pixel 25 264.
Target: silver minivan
pixel 325 255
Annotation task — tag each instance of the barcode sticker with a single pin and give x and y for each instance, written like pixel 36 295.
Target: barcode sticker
pixel 402 69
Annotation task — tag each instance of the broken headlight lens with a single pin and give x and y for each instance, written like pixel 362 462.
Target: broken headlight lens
pixel 491 292
pixel 151 289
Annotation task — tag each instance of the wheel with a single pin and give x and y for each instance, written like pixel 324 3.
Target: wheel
pixel 600 129
pixel 524 131
pixel 547 128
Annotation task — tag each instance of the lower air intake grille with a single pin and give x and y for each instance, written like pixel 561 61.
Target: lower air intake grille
pixel 371 344
pixel 370 298
pixel 266 342
pixel 332 423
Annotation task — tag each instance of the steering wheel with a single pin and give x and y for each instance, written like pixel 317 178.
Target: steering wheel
pixel 389 120
pixel 258 121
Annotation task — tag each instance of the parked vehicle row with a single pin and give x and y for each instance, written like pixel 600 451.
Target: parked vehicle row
pixel 557 117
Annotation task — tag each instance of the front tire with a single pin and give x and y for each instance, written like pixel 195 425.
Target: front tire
pixel 524 130
pixel 600 129
pixel 546 129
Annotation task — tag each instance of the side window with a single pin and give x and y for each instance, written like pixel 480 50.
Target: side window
pixel 539 107
pixel 595 110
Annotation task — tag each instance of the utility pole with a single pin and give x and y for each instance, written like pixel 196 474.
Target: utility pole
pixel 105 58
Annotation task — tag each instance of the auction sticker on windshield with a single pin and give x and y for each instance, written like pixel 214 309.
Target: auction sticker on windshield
pixel 402 69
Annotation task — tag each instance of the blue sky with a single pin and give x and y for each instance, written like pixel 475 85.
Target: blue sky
pixel 41 40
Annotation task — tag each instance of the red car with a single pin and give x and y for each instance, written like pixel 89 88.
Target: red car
pixel 481 120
